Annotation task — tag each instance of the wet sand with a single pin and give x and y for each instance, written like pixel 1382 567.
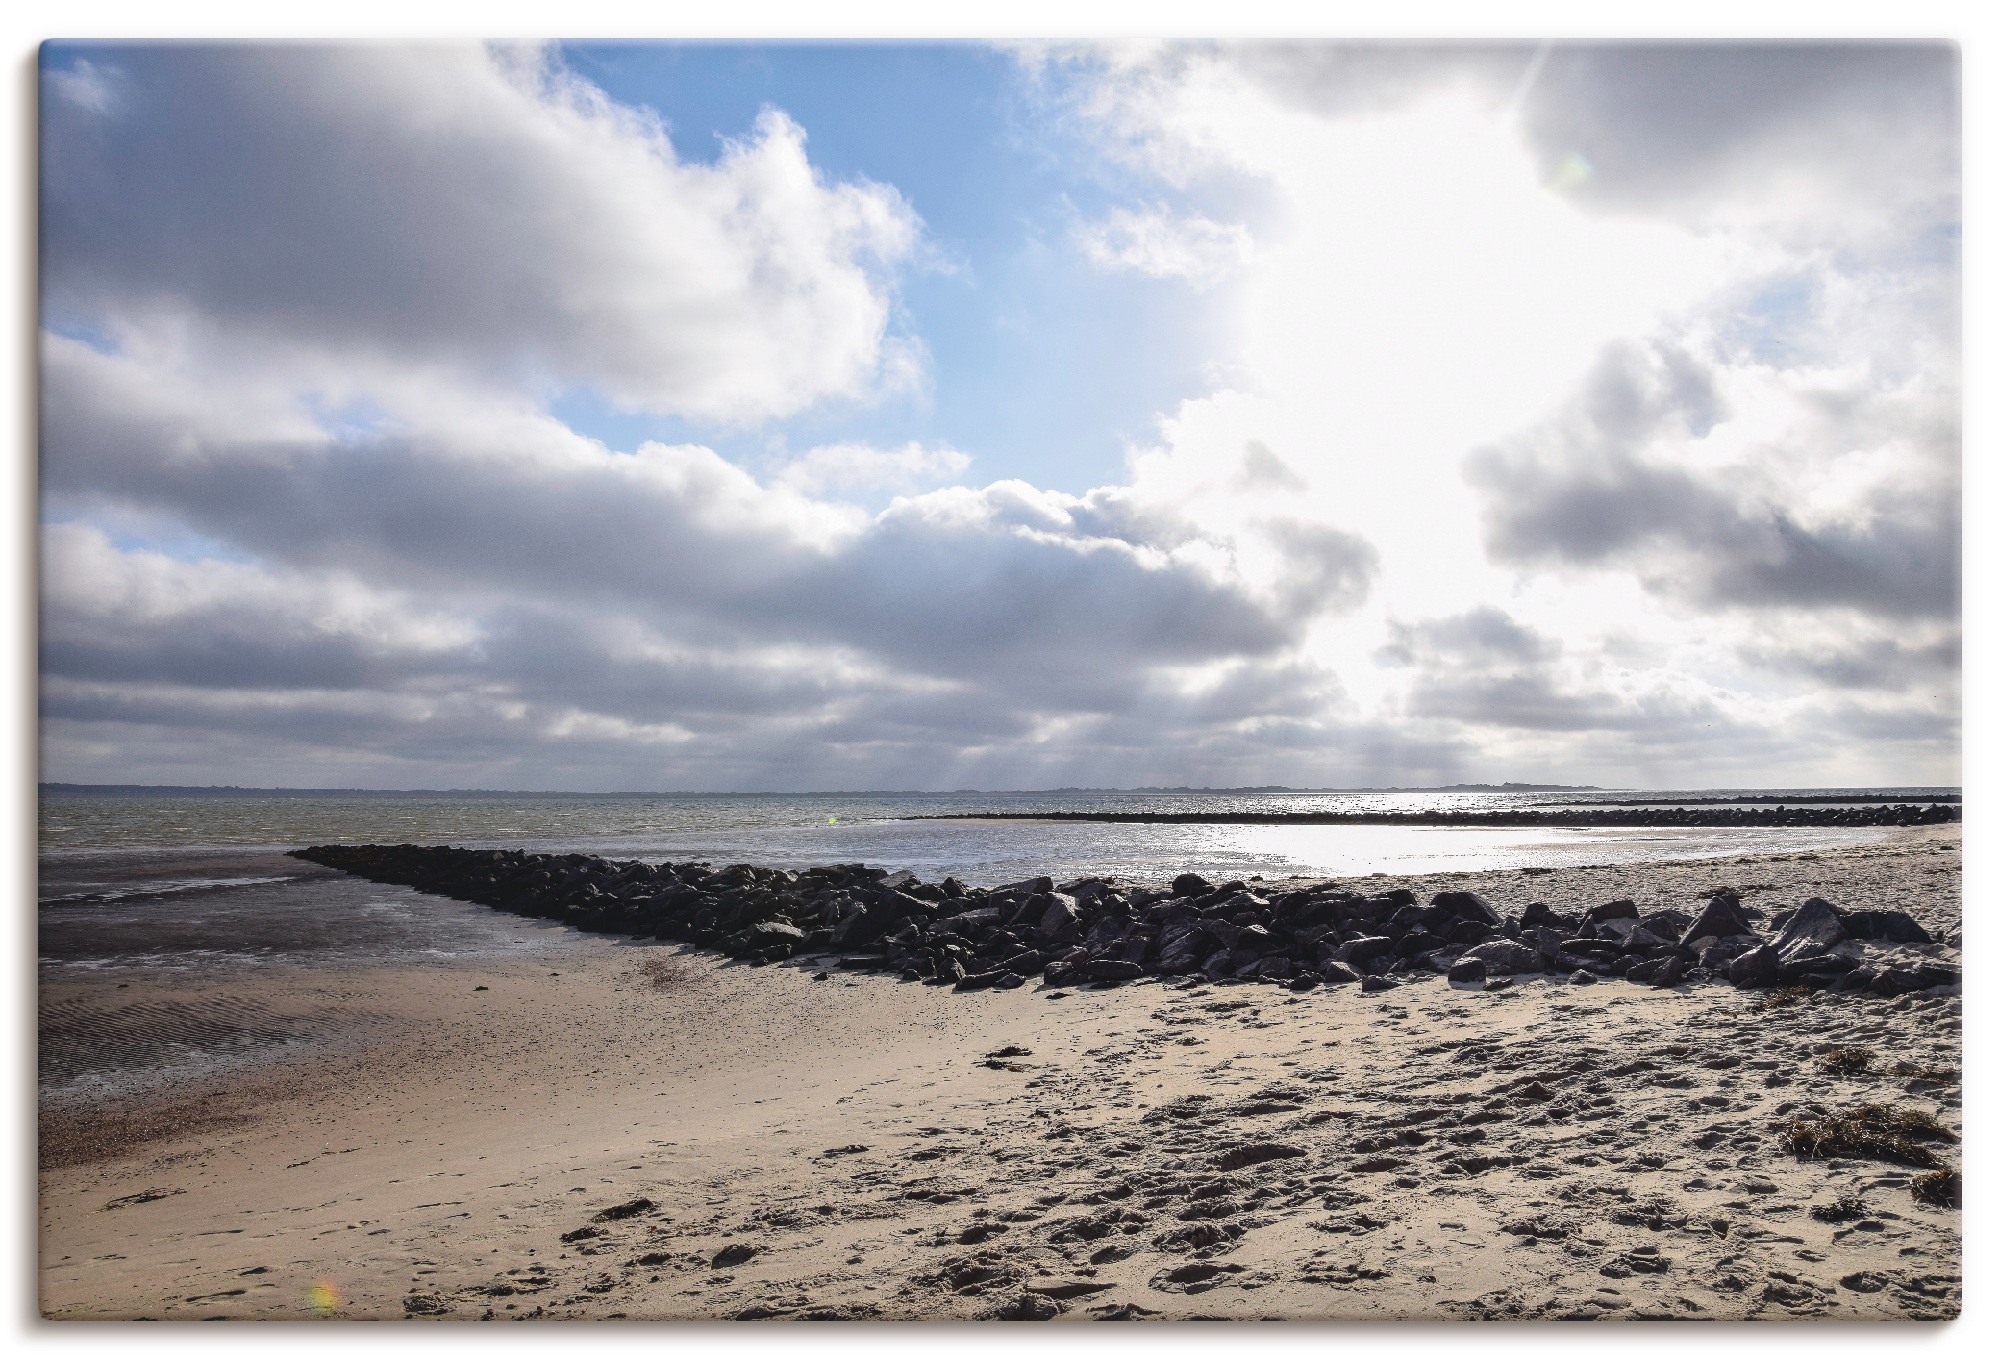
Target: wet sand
pixel 858 1147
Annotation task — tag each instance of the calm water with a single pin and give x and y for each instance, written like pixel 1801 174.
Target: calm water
pixel 154 886
pixel 182 882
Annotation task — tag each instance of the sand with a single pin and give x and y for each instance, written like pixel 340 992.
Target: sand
pixel 857 1147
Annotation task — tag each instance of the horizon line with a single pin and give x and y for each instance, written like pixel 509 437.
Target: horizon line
pixel 227 790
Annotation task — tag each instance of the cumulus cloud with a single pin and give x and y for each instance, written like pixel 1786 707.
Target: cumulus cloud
pixel 1615 479
pixel 477 211
pixel 1509 472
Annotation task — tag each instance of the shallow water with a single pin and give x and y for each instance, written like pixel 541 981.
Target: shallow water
pixel 200 888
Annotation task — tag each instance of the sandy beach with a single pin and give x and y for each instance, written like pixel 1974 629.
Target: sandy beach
pixel 649 1130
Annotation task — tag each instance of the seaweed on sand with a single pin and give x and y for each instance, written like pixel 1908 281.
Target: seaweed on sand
pixel 1874 1131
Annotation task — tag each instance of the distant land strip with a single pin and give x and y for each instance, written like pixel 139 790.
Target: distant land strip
pixel 1787 801
pixel 1900 814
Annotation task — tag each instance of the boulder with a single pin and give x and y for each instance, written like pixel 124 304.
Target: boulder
pixel 1468 906
pixel 1471 970
pixel 1660 972
pixel 1275 966
pixel 1581 977
pixel 1338 974
pixel 1361 950
pixel 1721 918
pixel 1061 920
pixel 1504 955
pixel 1190 885
pixel 1377 984
pixel 1112 969
pixel 1611 910
pixel 1758 967
pixel 1896 981
pixel 1814 928
pixel 1888 927
pixel 1639 939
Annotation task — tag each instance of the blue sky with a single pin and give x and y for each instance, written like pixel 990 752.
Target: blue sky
pixel 943 416
pixel 1041 367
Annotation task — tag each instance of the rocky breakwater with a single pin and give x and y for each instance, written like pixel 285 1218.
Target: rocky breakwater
pixel 1567 816
pixel 1095 931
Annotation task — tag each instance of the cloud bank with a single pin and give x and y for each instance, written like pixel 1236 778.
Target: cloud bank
pixel 1640 472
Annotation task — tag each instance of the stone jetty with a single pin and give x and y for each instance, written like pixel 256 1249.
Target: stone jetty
pixel 1095 931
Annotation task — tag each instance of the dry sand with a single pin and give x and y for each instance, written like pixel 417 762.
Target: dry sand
pixel 847 1148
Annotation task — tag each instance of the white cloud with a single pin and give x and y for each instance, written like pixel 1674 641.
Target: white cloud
pixel 479 213
pixel 1161 244
pixel 854 467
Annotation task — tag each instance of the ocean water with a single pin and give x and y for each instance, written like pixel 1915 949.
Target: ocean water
pixel 200 882
pixel 200 888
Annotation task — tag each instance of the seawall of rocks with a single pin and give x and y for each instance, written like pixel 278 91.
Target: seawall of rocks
pixel 1898 814
pixel 1097 931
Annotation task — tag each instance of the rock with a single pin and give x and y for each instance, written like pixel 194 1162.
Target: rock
pixel 1008 980
pixel 1112 969
pixel 1582 978
pixel 1305 981
pixel 1896 981
pixel 1888 927
pixel 1814 928
pixel 1190 885
pixel 1537 915
pixel 1504 955
pixel 1758 967
pixel 1543 940
pixel 1659 972
pixel 1468 906
pixel 1642 940
pixel 1722 917
pixel 1377 983
pixel 979 981
pixel 1361 950
pixel 1611 910
pixel 1275 966
pixel 1499 983
pixel 1338 974
pixel 1472 970
pixel 1061 919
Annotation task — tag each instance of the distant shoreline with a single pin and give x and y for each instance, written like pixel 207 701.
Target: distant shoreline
pixel 1918 793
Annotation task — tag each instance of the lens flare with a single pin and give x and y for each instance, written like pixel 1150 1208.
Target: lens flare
pixel 323 1297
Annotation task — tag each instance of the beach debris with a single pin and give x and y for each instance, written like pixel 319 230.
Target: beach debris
pixel 143 1196
pixel 737 1253
pixel 619 1212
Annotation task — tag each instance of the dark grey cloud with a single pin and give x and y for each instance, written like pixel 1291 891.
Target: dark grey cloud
pixel 1589 490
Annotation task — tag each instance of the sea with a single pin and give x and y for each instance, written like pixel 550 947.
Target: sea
pixel 194 890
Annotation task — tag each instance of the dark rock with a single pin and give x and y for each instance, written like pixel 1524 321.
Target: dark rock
pixel 1468 906
pixel 1611 910
pixel 1363 949
pixel 1377 983
pixel 1888 927
pixel 1897 981
pixel 1758 967
pixel 1582 978
pixel 1338 974
pixel 1305 981
pixel 1499 983
pixel 1190 885
pixel 1659 972
pixel 1468 970
pixel 1814 928
pixel 1112 969
pixel 1722 918
pixel 1504 955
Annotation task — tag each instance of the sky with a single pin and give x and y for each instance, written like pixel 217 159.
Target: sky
pixel 795 416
